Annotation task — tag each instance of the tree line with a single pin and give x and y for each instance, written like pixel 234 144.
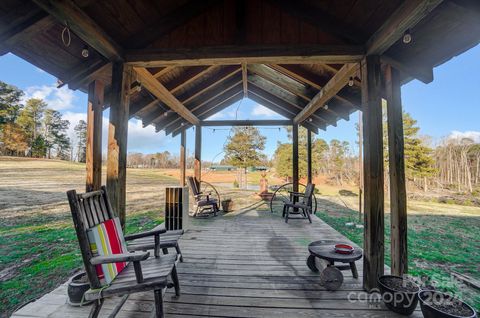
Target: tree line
pixel 32 129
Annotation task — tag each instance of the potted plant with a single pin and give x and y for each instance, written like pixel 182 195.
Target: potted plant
pixel 398 294
pixel 77 286
pixel 227 205
pixel 435 304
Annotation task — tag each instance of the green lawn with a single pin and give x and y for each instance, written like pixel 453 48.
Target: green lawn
pixel 43 252
pixel 437 244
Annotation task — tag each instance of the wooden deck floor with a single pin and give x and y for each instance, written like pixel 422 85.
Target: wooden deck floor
pixel 246 264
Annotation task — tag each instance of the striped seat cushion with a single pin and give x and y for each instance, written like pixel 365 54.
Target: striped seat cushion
pixel 107 239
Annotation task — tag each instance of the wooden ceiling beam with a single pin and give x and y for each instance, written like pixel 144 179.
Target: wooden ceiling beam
pixel 138 107
pixel 214 107
pixel 211 99
pixel 244 79
pixel 80 74
pixel 169 22
pixel 408 14
pixel 286 82
pixel 163 71
pixel 336 83
pixel 314 80
pixel 160 92
pixel 422 73
pixel 27 21
pixel 190 76
pixel 250 54
pixel 293 100
pixel 66 11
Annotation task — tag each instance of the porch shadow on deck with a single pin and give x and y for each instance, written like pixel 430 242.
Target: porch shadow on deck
pixel 244 264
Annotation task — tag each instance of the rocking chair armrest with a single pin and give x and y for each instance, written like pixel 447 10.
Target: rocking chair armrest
pixel 156 231
pixel 115 258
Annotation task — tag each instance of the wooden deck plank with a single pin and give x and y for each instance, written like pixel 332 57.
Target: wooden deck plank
pixel 244 264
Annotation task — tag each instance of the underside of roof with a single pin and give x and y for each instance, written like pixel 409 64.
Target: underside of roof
pixel 206 55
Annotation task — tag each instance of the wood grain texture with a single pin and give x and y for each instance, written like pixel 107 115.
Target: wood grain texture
pixel 373 172
pixel 398 193
pixel 117 137
pixel 94 135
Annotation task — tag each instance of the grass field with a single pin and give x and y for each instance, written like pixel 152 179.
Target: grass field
pixel 38 247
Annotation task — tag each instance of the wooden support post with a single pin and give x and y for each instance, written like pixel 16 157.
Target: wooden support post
pixel 183 157
pixel 373 261
pixel 398 193
pixel 197 165
pixel 94 135
pixel 117 138
pixel 309 156
pixel 295 157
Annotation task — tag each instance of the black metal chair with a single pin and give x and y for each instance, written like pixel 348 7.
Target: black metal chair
pixel 299 204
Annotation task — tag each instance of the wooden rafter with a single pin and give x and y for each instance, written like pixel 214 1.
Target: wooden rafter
pixel 210 101
pixel 244 79
pixel 271 54
pixel 30 24
pixel 189 77
pixel 163 71
pixel 314 80
pixel 283 81
pixel 138 107
pixel 66 11
pixel 405 17
pixel 80 74
pixel 336 83
pixel 160 92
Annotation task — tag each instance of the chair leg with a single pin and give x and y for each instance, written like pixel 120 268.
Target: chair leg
pixel 158 303
pixel 175 280
pixel 165 250
pixel 286 214
pixel 97 305
pixel 179 252
pixel 308 215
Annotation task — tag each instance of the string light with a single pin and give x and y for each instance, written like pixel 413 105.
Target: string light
pixel 407 37
pixel 310 120
pixel 85 52
pixel 350 81
pixel 325 107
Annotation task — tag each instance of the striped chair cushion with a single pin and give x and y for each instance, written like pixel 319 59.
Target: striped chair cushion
pixel 107 239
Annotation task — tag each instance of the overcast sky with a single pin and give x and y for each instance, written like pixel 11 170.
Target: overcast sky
pixel 450 106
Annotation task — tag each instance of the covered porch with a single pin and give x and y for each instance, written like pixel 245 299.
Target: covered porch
pixel 246 264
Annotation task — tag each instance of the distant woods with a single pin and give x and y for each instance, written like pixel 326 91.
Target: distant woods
pixel 32 129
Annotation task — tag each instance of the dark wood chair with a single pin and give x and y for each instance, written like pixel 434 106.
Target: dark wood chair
pixel 142 272
pixel 299 204
pixel 204 204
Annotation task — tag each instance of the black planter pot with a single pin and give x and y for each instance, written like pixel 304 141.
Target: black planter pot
pixel 428 296
pixel 401 302
pixel 77 286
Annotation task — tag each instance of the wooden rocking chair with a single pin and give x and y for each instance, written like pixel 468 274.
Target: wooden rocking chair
pixel 141 273
pixel 204 203
pixel 300 203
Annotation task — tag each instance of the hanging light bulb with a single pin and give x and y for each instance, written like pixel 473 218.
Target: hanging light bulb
pixel 85 52
pixel 181 124
pixel 350 81
pixel 165 114
pixel 325 107
pixel 310 120
pixel 407 37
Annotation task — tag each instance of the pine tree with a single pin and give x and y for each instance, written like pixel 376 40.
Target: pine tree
pixel 30 119
pixel 81 134
pixel 55 130
pixel 9 103
pixel 243 149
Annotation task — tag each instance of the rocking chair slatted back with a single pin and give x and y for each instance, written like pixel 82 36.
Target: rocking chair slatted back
pixel 89 209
pixel 192 183
pixel 307 199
